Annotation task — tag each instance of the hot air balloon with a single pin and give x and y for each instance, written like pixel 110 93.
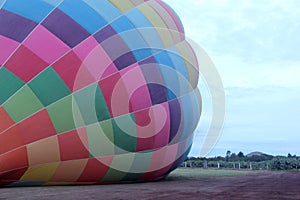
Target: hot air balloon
pixel 94 92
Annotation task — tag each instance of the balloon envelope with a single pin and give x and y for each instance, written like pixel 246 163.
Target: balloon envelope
pixel 94 92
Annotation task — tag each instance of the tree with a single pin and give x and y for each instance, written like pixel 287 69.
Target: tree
pixel 241 155
pixel 228 154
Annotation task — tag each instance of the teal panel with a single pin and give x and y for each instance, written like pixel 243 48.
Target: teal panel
pixel 125 136
pixel 92 104
pixel 9 84
pixel 49 87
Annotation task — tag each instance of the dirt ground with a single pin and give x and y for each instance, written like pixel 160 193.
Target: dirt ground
pixel 182 184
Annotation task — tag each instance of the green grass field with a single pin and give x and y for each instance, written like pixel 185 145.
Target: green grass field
pixel 197 173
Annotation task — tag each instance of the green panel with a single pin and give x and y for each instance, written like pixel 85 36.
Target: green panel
pixel 49 87
pixel 9 84
pixel 119 167
pixel 125 132
pixel 100 139
pixel 132 177
pixel 61 114
pixel 78 120
pixel 101 106
pixel 113 175
pixel 141 162
pixel 92 104
pixel 23 104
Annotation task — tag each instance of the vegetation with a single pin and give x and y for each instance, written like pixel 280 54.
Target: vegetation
pixel 253 161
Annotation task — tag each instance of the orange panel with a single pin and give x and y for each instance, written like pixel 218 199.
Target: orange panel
pixel 43 151
pixel 69 171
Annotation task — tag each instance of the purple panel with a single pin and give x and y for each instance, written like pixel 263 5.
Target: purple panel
pixel 125 60
pixel 14 26
pixel 157 93
pixel 104 33
pixel 147 61
pixel 65 28
pixel 117 50
pixel 175 115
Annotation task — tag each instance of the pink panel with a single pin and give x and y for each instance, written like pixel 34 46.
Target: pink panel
pixel 175 18
pixel 160 8
pixel 137 87
pixel 84 48
pixel 132 80
pixel 7 47
pixel 97 62
pixel 46 45
pixel 162 138
pixel 159 127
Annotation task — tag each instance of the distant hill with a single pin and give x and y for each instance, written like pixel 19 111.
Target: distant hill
pixel 255 153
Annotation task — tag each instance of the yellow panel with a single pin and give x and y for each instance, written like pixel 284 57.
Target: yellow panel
pixel 40 173
pixel 123 5
pixel 168 20
pixel 158 24
pixel 69 171
pixel 137 2
pixel 68 183
pixel 190 62
pixel 43 151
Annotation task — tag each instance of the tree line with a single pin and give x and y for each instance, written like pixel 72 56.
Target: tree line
pixel 258 161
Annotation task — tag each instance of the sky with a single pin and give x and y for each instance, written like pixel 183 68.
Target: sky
pixel 255 46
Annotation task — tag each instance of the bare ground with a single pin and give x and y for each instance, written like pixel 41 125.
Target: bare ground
pixel 181 184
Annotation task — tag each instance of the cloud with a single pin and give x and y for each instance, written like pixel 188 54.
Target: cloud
pixel 254 30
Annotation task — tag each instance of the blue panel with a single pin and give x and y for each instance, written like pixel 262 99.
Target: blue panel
pixel 178 62
pixel 83 15
pixel 105 9
pixel 35 10
pixel 163 58
pixel 170 77
pixel 145 28
pixel 139 20
pixel 190 109
pixel 53 2
pixel 136 44
pixel 25 183
pixel 122 24
pixel 1 3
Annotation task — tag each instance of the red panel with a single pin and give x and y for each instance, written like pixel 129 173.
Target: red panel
pixel 12 176
pixel 69 67
pixel 10 139
pixel 142 119
pixel 5 120
pixel 156 175
pixel 25 64
pixel 14 160
pixel 36 127
pixel 71 146
pixel 95 170
pixel 108 87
